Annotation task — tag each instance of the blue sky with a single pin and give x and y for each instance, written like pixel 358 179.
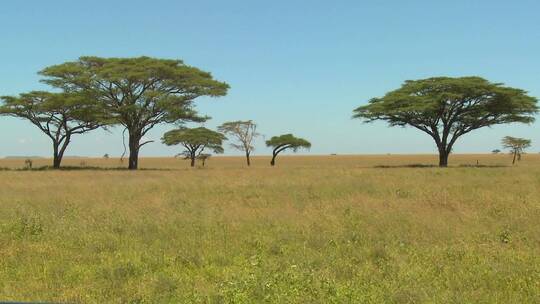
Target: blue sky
pixel 293 66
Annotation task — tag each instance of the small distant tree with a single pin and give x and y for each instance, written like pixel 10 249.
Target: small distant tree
pixel 447 108
pixel 106 156
pixel 203 157
pixel 195 141
pixel 59 115
pixel 496 151
pixel 516 146
pixel 284 142
pixel 244 132
pixel 28 163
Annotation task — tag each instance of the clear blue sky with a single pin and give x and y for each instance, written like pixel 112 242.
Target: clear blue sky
pixel 293 66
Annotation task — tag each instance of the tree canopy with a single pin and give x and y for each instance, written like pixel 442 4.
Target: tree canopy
pixel 195 141
pixel 244 132
pixel 58 115
pixel 284 142
pixel 447 108
pixel 137 93
pixel 516 145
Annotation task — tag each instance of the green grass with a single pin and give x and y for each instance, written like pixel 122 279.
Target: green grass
pixel 307 231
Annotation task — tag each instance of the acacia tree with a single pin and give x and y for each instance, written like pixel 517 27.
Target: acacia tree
pixel 244 132
pixel 58 115
pixel 283 142
pixel 516 145
pixel 447 108
pixel 138 93
pixel 203 157
pixel 195 141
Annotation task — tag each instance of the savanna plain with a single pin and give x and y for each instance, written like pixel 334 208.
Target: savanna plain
pixel 313 229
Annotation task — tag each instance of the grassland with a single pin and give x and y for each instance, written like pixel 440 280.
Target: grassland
pixel 328 229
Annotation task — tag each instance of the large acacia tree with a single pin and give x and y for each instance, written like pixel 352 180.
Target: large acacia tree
pixel 195 141
pixel 138 93
pixel 244 132
pixel 59 115
pixel 447 108
pixel 283 142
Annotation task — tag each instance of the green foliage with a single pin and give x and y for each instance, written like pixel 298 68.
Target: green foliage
pixel 461 104
pixel 55 110
pixel 195 137
pixel 447 108
pixel 288 141
pixel 58 115
pixel 138 93
pixel 195 141
pixel 284 142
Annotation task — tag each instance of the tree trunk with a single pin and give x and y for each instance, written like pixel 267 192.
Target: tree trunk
pixel 56 162
pixel 192 161
pixel 247 159
pixel 133 159
pixel 56 159
pixel 58 152
pixel 273 161
pixel 443 158
pixel 514 160
pixel 134 140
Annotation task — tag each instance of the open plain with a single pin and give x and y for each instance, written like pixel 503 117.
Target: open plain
pixel 313 229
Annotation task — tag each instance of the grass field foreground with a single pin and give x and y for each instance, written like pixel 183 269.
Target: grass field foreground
pixel 318 229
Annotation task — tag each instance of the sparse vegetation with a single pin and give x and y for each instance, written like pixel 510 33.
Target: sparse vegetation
pixel 315 230
pixel 28 163
pixel 244 132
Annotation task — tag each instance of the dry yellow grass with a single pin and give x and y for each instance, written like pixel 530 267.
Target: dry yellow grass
pixel 314 229
pixel 319 161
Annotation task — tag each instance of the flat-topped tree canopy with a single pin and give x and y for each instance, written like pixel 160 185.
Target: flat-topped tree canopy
pixel 286 141
pixel 195 141
pixel 516 146
pixel 138 93
pixel 58 115
pixel 510 142
pixel 447 108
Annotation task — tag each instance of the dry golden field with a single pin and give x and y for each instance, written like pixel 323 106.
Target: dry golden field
pixel 314 229
pixel 288 161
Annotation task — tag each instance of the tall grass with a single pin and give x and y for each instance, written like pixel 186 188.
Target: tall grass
pixel 330 229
